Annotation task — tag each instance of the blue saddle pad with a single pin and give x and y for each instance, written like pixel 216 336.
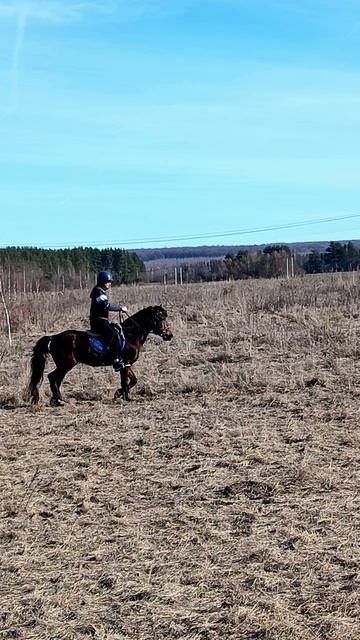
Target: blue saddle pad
pixel 99 345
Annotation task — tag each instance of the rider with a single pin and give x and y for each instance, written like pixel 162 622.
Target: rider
pixel 99 317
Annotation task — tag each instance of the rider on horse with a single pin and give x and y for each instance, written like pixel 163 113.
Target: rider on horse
pixel 99 317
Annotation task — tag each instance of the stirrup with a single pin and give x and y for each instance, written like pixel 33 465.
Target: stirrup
pixel 118 364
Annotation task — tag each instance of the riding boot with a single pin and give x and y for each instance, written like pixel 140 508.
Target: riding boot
pixel 118 361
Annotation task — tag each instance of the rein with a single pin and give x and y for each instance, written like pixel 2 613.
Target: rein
pixel 132 320
pixel 136 324
pixel 144 331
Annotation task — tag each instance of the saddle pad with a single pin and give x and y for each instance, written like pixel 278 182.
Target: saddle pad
pixel 99 345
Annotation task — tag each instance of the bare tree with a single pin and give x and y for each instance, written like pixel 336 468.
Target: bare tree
pixel 6 312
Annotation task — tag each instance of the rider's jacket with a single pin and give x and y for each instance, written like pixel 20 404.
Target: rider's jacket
pixel 100 305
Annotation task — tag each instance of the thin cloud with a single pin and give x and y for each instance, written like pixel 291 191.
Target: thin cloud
pixel 70 11
pixel 62 12
pixel 18 45
pixel 54 11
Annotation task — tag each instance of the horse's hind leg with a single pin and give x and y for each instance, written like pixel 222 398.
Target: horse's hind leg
pixel 34 395
pixel 55 379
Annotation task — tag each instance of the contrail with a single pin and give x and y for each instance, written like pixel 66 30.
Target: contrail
pixel 50 11
pixel 22 14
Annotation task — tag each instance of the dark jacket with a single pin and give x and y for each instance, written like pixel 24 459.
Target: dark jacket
pixel 100 305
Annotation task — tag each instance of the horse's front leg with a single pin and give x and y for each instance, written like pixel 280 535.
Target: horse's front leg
pixel 128 380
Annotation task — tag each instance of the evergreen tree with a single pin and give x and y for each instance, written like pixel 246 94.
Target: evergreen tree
pixel 70 267
pixel 315 263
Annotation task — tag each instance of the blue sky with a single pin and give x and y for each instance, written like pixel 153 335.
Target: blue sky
pixel 130 122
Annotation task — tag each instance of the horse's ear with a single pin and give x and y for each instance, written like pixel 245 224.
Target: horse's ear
pixel 161 309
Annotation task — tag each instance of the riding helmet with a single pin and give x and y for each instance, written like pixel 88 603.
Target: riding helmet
pixel 104 276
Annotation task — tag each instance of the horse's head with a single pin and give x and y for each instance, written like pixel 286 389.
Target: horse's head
pixel 159 324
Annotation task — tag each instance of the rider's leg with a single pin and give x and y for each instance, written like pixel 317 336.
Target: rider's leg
pixel 114 346
pixel 111 337
pixel 116 349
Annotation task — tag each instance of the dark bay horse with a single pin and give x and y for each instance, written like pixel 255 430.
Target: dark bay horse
pixel 72 347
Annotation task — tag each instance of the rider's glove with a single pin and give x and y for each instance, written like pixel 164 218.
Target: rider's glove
pixel 124 309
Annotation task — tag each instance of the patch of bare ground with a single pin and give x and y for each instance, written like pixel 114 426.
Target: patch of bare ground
pixel 223 502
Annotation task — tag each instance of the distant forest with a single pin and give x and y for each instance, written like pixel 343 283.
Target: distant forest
pixel 30 269
pixel 278 260
pixel 273 261
pixel 33 270
pixel 219 251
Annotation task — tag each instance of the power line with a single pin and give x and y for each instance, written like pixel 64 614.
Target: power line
pixel 200 236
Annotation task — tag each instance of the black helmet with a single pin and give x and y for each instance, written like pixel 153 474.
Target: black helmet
pixel 104 276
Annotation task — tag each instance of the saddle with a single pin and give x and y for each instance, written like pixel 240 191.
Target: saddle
pixel 98 344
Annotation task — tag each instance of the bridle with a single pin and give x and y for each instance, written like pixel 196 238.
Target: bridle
pixel 161 334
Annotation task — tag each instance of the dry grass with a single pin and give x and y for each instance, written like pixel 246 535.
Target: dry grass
pixel 222 502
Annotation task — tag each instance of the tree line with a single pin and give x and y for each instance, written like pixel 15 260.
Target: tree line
pixel 27 269
pixel 31 270
pixel 277 260
pixel 337 257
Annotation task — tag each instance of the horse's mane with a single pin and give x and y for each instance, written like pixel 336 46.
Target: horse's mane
pixel 137 317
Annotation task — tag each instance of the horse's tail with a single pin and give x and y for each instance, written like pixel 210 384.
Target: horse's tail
pixel 38 359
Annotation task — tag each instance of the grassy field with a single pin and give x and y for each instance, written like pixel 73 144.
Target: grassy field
pixel 223 502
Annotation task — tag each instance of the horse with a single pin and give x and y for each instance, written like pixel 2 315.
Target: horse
pixel 72 347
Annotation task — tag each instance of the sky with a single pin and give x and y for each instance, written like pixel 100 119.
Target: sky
pixel 150 123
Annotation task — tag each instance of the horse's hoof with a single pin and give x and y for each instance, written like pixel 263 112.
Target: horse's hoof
pixel 118 395
pixel 55 402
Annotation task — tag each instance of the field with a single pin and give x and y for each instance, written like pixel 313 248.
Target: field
pixel 222 502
